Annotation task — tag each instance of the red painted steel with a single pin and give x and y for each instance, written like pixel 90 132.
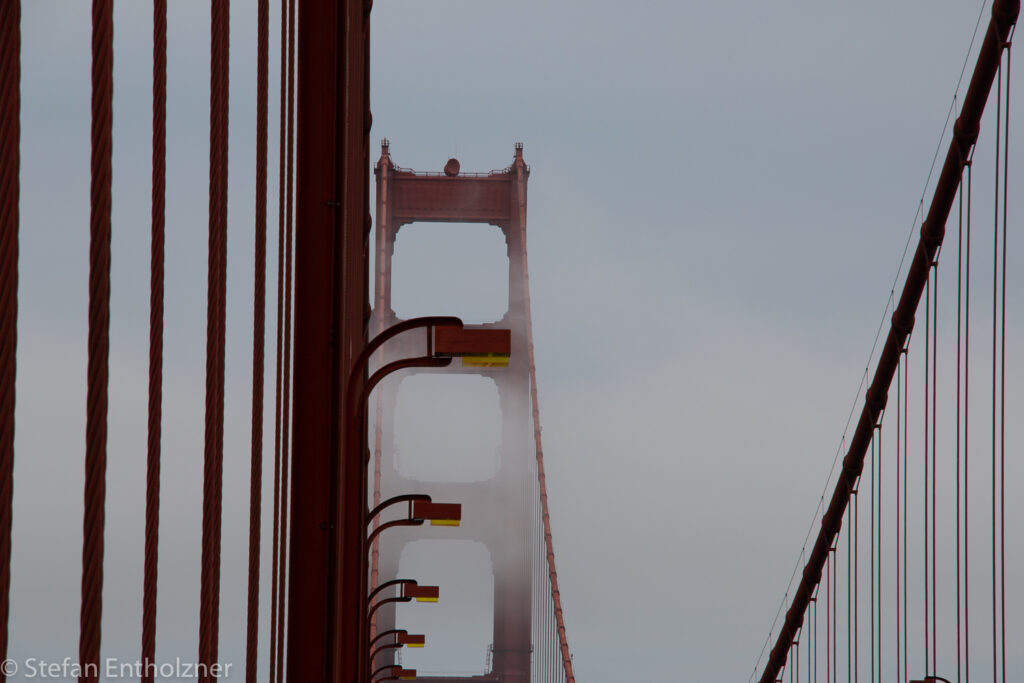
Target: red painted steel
pixel 258 335
pixel 314 403
pixel 405 196
pixel 444 511
pixel 99 340
pixel 213 455
pixel 421 592
pixel 411 639
pixel 563 642
pixel 156 340
pixel 331 312
pixel 353 317
pixel 282 405
pixel 965 133
pixel 10 138
pixel 459 341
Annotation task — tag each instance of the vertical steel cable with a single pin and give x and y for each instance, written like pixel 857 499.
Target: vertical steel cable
pixel 10 138
pixel 286 369
pixel 927 397
pixel 215 317
pixel 995 340
pixel 99 340
pixel 878 566
pixel 959 419
pixel 1002 378
pixel 967 440
pixel 935 464
pixel 156 340
pixel 275 539
pixel 835 611
pixel 849 594
pixel 258 334
pixel 856 582
pixel 810 644
pixel 871 570
pixel 896 491
pixel 828 618
pixel 906 490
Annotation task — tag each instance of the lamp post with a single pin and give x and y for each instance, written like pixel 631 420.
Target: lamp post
pixel 410 590
pixel 402 639
pixel 392 672
pixel 446 339
pixel 421 509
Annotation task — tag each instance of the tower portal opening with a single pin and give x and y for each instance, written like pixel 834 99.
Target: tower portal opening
pixel 459 628
pixel 447 428
pixel 431 274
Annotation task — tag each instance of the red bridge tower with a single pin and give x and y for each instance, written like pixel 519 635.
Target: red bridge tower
pixel 496 198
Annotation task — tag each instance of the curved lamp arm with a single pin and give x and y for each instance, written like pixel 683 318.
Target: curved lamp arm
pixel 389 525
pixel 388 584
pixel 383 602
pixel 375 378
pixel 406 497
pixel 386 668
pixel 404 326
pixel 386 646
pixel 389 632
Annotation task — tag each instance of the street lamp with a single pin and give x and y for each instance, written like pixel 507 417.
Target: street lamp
pixel 391 672
pixel 410 590
pixel 421 509
pixel 402 639
pixel 446 339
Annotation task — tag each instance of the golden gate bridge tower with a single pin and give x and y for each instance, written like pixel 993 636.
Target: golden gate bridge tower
pixel 496 512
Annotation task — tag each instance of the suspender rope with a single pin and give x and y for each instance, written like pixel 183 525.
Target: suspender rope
pixel 258 334
pixel 10 137
pixel 99 341
pixel 215 318
pixel 156 341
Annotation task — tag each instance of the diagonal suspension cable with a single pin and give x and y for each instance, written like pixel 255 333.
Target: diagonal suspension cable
pixel 965 131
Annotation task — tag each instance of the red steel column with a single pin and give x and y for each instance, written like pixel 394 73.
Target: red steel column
pixel 331 265
pixel 350 503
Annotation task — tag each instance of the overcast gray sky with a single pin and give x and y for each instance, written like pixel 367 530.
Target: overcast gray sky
pixel 719 199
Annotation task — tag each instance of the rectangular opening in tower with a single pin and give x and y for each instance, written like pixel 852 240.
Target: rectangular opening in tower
pixel 447 428
pixel 450 269
pixel 459 627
